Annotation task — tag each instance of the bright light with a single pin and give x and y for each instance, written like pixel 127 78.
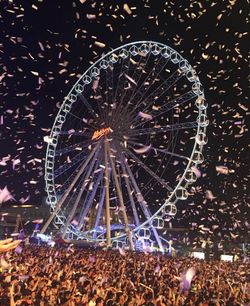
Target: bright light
pixel 226 257
pixel 199 255
pixel 22 206
pixel 44 238
pixel 98 134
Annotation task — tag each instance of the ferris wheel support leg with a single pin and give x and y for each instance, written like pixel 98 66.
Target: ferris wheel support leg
pixel 61 201
pixel 90 170
pixel 146 168
pixel 142 203
pixel 119 193
pixel 106 179
pixel 99 212
pixel 85 182
pixel 91 199
pixel 137 222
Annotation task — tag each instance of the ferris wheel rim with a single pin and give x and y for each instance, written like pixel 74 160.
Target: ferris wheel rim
pixel 52 134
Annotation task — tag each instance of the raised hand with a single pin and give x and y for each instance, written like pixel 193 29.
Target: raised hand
pixel 7 244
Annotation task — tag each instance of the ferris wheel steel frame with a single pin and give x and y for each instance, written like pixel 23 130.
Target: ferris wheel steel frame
pixel 178 193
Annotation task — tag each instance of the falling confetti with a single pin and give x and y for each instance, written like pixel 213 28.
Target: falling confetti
pixel 143 149
pixel 5 195
pixel 145 116
pixel 37 74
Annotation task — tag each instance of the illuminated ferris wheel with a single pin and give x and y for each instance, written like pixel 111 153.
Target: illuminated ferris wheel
pixel 125 145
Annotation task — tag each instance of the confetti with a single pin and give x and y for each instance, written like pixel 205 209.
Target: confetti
pixel 222 169
pixel 127 8
pixel 122 252
pixel 100 44
pixel 142 150
pixel 145 116
pixel 186 279
pixel 38 221
pixel 35 68
pixel 5 195
pixel 196 171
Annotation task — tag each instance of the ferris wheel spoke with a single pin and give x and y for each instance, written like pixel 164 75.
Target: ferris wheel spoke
pixel 73 133
pixel 120 197
pixel 100 208
pixel 98 98
pixel 75 193
pixel 67 183
pixel 165 108
pixel 142 203
pixel 124 68
pixel 108 93
pixel 71 198
pixel 131 82
pixel 186 97
pixel 136 76
pixel 81 145
pixel 109 83
pixel 165 151
pixel 119 92
pixel 74 161
pixel 69 179
pixel 80 119
pixel 162 129
pixel 142 90
pixel 159 91
pixel 171 153
pixel 83 120
pixel 147 169
pixel 89 107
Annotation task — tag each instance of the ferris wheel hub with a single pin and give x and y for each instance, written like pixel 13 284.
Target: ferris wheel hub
pixel 100 133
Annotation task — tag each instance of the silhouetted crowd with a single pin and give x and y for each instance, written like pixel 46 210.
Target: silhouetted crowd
pixel 40 276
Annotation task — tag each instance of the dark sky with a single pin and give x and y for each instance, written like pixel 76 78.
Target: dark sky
pixel 46 45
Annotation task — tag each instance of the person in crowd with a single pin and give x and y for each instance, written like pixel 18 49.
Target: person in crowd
pixel 45 276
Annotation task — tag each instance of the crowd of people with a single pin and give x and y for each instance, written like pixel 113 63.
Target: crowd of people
pixel 41 275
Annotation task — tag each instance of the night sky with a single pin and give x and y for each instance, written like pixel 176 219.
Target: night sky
pixel 45 46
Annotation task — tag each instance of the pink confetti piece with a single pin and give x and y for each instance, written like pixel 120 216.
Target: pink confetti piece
pixel 142 150
pixel 122 252
pixel 209 195
pixel 95 85
pixel 222 169
pixel 186 279
pixel 145 116
pixel 18 250
pixel 196 171
pixel 5 195
pixel 38 221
